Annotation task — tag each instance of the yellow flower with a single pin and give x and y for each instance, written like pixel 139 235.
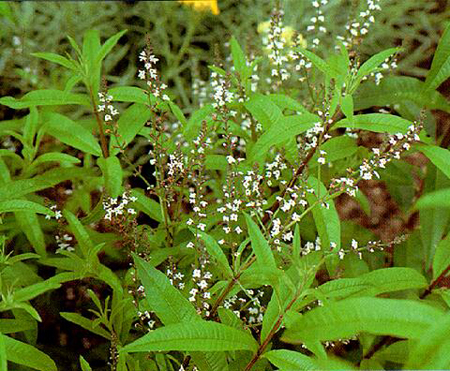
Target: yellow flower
pixel 202 5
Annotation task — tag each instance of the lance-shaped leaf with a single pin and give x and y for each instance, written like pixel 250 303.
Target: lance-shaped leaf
pixel 336 320
pixel 24 205
pixel 440 157
pixel 318 62
pixel 71 133
pixel 86 323
pixel 147 205
pixel 260 246
pixel 239 62
pixel 440 67
pixel 289 360
pixel 27 355
pixel 377 122
pixel 45 98
pixel 112 173
pixel 58 59
pixel 284 129
pixel 217 253
pixel 437 199
pixel 22 187
pixel 165 300
pixel 194 335
pixel 374 283
pixel 108 45
pixel 398 89
pixel 326 219
pixel 264 110
pixel 194 124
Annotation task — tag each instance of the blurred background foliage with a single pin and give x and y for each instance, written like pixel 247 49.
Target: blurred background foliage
pixel 187 41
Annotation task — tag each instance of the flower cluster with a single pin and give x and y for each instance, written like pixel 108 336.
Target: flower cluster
pixel 248 309
pixel 115 207
pixel 63 242
pixel 106 107
pixel 150 74
pixel 199 293
pixel 276 43
pixel 222 94
pixel 58 213
pixel 317 21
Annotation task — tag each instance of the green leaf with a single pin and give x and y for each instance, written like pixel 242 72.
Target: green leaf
pixel 216 162
pixel 336 148
pixel 377 122
pixel 80 233
pixel 347 107
pixel 23 205
pixel 211 361
pixel 372 64
pixel 112 173
pixel 326 219
pixel 147 205
pixel 178 113
pixel 84 365
pixel 337 320
pixel 398 89
pixel 239 62
pixel 85 323
pixel 289 360
pixel 129 94
pixel 5 10
pixel 30 292
pixel 278 133
pixel 441 257
pixel 264 110
pixel 318 62
pixel 3 356
pixel 57 157
pixel 29 223
pixel 374 283
pixel 22 187
pixel 194 335
pixel 9 326
pixel 108 45
pixel 437 199
pixel 194 124
pixel 285 102
pixel 27 355
pixel 440 157
pixel 260 246
pixel 63 129
pixel 432 350
pixel 216 252
pixel 45 98
pixel 440 67
pixel 56 58
pixel 165 300
pixel 131 121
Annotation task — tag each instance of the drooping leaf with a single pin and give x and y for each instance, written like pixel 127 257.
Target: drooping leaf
pixel 24 205
pixel 22 187
pixel 343 319
pixel 194 335
pixel 45 98
pixel 56 58
pixel 63 129
pixel 85 323
pixel 164 299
